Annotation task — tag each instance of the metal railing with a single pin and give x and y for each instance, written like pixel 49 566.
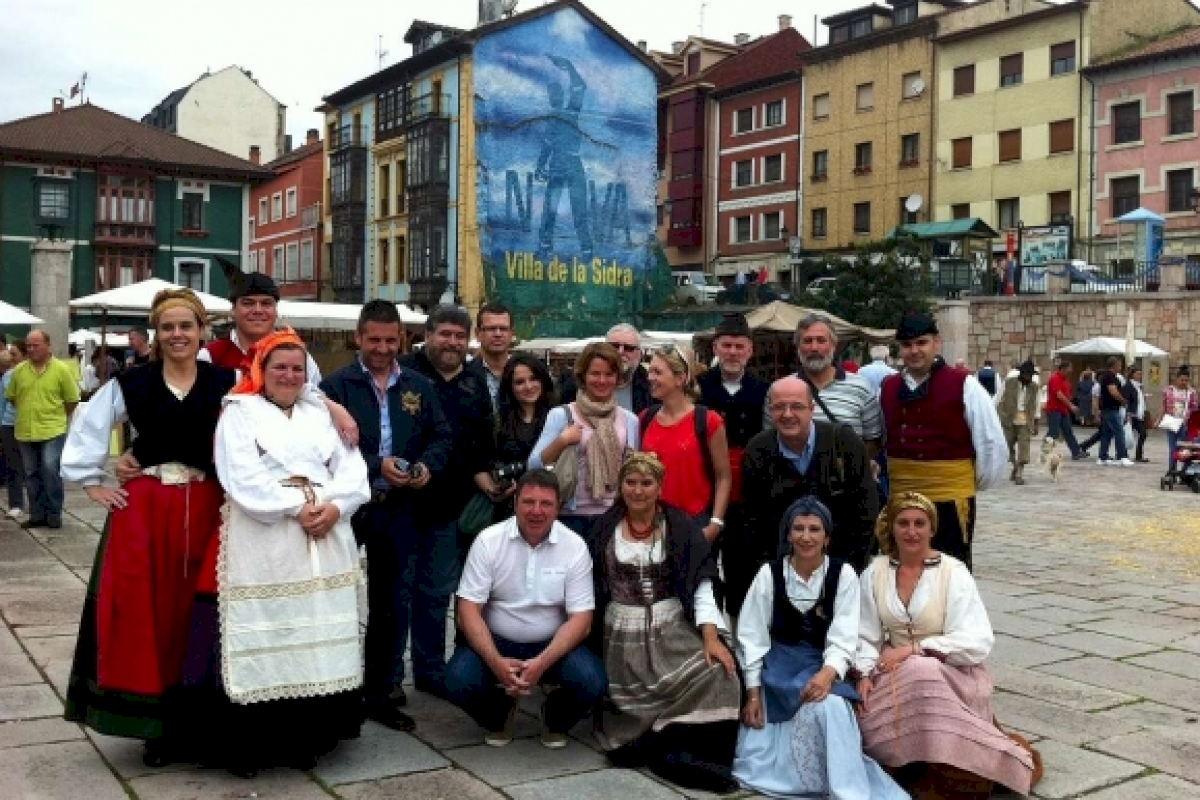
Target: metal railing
pixel 348 136
pixel 427 105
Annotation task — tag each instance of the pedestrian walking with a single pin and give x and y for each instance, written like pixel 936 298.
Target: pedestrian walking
pixel 12 473
pixel 1018 416
pixel 1060 409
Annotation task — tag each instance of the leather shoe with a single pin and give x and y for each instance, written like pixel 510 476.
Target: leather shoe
pixel 35 523
pixel 398 698
pixel 434 688
pixel 389 716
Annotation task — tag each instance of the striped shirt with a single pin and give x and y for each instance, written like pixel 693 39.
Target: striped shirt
pixel 852 400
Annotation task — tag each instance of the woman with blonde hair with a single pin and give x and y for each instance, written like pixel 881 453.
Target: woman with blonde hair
pixel 158 550
pixel 594 432
pixel 924 636
pixel 689 439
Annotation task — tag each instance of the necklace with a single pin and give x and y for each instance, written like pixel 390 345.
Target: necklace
pixel 641 534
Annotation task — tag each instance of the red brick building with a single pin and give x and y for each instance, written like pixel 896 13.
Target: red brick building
pixel 285 221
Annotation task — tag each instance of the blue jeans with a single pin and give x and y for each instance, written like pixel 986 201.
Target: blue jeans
pixel 43 477
pixel 580 676
pixel 1059 425
pixel 1112 429
pixel 1172 443
pixel 430 578
pixel 11 471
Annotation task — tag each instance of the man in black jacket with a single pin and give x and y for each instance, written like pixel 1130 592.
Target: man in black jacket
pixel 633 386
pixel 406 442
pixel 465 401
pixel 800 456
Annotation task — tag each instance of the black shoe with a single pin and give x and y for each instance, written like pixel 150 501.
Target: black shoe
pixel 54 522
pixel 389 716
pixel 35 523
pixel 155 755
pixel 434 688
pixel 398 698
pixel 1142 460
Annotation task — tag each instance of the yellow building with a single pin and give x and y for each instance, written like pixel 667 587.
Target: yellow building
pixel 1012 118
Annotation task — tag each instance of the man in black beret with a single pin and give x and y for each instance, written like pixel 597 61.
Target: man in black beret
pixel 944 438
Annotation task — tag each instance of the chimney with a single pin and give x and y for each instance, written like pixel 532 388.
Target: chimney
pixel 287 144
pixel 57 105
pixel 313 137
pixel 741 38
pixel 255 154
pixel 641 45
pixel 785 22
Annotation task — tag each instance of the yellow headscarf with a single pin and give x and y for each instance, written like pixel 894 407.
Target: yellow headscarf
pixel 254 380
pixel 644 464
pixel 887 518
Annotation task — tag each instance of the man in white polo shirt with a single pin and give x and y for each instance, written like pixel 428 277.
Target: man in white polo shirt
pixel 525 608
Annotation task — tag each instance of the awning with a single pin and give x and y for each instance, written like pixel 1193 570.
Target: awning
pixel 1109 346
pixel 135 299
pixel 11 315
pixel 781 317
pixel 970 226
pixel 334 316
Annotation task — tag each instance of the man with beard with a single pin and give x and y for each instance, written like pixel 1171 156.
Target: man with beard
pixel 633 388
pixel 465 401
pixel 494 328
pixel 737 396
pixel 944 438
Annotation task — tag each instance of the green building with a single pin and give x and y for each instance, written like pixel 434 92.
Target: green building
pixel 134 202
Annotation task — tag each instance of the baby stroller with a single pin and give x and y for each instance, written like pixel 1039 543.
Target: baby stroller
pixel 1187 457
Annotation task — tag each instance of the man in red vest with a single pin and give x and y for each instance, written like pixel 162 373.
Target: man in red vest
pixel 944 438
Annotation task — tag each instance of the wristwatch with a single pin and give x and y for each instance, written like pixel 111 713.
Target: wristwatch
pixel 720 523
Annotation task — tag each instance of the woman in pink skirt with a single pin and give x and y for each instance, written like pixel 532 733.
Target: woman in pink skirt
pixel 924 635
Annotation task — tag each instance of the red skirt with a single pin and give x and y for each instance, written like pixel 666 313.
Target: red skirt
pixel 157 552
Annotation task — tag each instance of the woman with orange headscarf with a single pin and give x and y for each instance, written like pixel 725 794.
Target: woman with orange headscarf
pixel 290 664
pixel 162 526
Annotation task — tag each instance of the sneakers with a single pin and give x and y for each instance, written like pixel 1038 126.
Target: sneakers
pixel 505 735
pixel 1104 462
pixel 1124 462
pixel 13 513
pixel 553 741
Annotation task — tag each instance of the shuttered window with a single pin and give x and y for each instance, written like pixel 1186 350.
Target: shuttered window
pixel 1062 136
pixel 821 106
pixel 1010 145
pixel 1060 207
pixel 964 80
pixel 1011 69
pixel 1062 58
pixel 1182 113
pixel 961 157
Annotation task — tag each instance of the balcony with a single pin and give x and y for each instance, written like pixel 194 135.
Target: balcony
pixel 124 234
pixel 348 136
pixel 310 216
pixel 425 106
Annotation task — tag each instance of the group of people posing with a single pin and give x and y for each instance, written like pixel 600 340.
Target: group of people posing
pixel 717 591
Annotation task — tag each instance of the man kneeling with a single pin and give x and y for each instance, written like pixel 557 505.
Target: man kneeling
pixel 525 607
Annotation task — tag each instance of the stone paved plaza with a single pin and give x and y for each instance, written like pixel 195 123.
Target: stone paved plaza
pixel 1092 584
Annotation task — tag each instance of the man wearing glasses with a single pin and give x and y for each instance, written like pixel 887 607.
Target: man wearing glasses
pixel 633 387
pixel 494 329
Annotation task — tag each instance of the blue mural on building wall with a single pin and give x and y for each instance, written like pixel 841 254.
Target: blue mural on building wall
pixel 566 138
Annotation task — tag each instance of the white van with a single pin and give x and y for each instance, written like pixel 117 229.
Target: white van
pixel 696 288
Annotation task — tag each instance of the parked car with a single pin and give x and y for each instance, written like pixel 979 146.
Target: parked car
pixel 696 288
pixel 819 286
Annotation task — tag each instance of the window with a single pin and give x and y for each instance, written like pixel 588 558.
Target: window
pixel 911 85
pixel 743 120
pixel 906 217
pixel 960 157
pixel 839 33
pixel 1127 122
pixel 1062 58
pixel 910 147
pixel 401 276
pixel 865 97
pixel 1060 207
pixel 1062 136
pixel 1182 114
pixel 862 158
pixel 1011 69
pixel 743 173
pixel 772 225
pixel 774 114
pixel 820 222
pixel 384 273
pixel 903 15
pixel 384 189
pixel 693 63
pixel 960 211
pixel 401 186
pixel 964 80
pixel 860 27
pixel 262 260
pixel 263 219
pixel 862 217
pixel 1008 213
pixel 193 211
pixel 741 230
pixel 773 168
pixel 277 262
pixel 54 200
pixel 291 202
pixel 820 165
pixel 1010 145
pixel 1126 195
pixel 821 106
pixel 291 262
pixel 276 207
pixel 191 275
pixel 1179 190
pixel 252 264
pixel 685 164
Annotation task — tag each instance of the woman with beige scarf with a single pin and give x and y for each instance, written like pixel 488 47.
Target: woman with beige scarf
pixel 595 432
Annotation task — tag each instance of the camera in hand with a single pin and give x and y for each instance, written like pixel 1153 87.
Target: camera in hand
pixel 507 474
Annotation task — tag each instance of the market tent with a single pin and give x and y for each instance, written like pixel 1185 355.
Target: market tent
pixel 11 315
pixel 649 339
pixel 781 317
pixel 83 337
pixel 1109 346
pixel 542 346
pixel 134 300
pixel 334 316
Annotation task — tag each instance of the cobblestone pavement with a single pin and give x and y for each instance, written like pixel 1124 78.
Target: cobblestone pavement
pixel 1092 584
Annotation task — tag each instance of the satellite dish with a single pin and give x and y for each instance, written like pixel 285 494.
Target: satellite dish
pixel 913 203
pixel 918 86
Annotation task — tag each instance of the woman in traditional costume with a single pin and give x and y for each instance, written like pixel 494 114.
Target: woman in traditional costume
pixel 926 695
pixel 288 655
pixel 159 544
pixel 672 682
pixel 797 636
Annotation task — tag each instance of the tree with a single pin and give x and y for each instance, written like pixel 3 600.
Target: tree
pixel 884 280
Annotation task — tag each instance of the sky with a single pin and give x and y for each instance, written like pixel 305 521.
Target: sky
pixel 135 52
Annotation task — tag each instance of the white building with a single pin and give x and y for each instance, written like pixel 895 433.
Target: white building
pixel 226 110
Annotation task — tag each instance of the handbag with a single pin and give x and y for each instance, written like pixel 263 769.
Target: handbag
pixel 566 469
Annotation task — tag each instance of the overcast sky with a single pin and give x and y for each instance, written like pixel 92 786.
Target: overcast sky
pixel 135 52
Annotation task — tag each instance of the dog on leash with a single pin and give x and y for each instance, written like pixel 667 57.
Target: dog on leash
pixel 1051 459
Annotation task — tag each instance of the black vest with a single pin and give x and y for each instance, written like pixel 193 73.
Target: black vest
pixel 790 626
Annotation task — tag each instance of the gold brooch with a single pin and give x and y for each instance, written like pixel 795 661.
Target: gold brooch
pixel 411 402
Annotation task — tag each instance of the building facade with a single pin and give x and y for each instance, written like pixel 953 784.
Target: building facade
pixel 285 224
pixel 132 201
pixel 227 110
pixel 1145 141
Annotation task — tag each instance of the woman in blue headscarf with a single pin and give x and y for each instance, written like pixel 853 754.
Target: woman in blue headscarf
pixel 797 636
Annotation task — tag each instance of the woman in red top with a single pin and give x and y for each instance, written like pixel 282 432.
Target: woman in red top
pixel 696 481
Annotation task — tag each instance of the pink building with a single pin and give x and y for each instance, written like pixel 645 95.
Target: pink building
pixel 1145 143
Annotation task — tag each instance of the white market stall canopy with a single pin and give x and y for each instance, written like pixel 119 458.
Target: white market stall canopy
pixel 781 317
pixel 1109 346
pixel 82 338
pixel 334 316
pixel 134 300
pixel 542 346
pixel 11 315
pixel 649 339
